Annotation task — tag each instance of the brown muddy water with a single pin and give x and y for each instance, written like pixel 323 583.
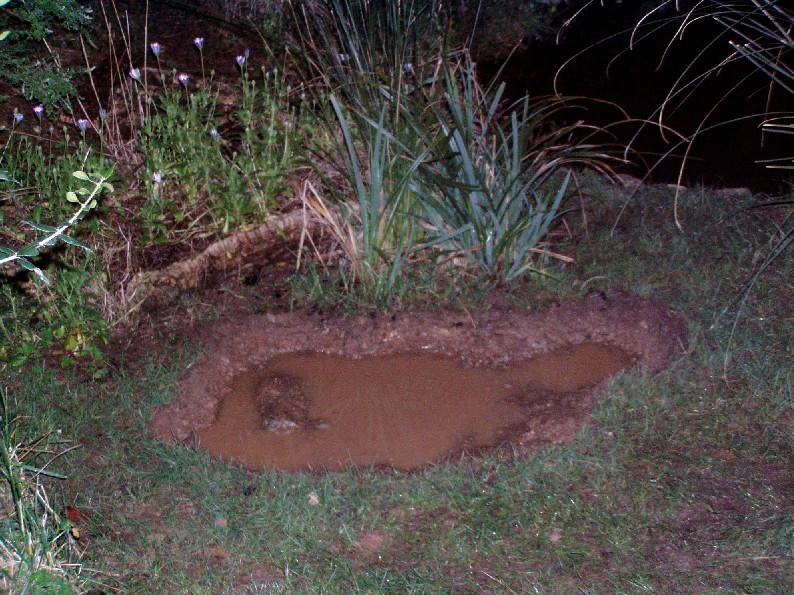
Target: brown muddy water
pixel 317 411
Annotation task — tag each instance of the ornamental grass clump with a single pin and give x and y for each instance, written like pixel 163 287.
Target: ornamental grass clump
pixel 371 54
pixel 433 163
pixel 498 178
pixel 368 57
pixel 757 32
pixel 764 38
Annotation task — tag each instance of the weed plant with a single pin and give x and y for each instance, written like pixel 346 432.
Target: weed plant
pixel 53 317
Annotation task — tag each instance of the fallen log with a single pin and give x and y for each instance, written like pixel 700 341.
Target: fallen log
pixel 230 254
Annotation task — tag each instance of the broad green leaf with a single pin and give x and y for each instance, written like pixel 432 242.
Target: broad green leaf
pixel 41 227
pixel 29 266
pixel 31 251
pixel 4 34
pixel 80 175
pixel 72 197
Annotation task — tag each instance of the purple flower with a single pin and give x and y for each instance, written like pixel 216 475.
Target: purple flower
pixel 214 133
pixel 183 78
pixel 199 43
pixel 135 74
pixel 240 61
pixel 157 177
pixel 82 124
pixel 18 117
pixel 39 111
pixel 247 53
pixel 155 48
pixel 103 113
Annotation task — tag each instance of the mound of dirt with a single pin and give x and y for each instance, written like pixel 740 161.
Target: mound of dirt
pixel 239 351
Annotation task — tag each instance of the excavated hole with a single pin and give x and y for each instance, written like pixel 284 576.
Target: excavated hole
pixel 302 391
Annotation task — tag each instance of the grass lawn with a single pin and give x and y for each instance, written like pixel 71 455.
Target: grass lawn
pixel 682 482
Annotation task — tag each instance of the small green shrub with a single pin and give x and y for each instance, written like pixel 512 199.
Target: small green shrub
pixel 62 320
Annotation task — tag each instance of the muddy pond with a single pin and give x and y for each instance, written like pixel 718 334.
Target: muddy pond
pixel 307 392
pixel 311 410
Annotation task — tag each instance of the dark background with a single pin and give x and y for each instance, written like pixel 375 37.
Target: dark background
pixel 593 59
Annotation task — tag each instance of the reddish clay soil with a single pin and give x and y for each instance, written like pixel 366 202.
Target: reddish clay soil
pixel 522 380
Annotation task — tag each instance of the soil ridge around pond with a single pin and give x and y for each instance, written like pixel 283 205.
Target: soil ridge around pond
pixel 644 329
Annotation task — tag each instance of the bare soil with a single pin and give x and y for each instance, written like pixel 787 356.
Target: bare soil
pixel 238 352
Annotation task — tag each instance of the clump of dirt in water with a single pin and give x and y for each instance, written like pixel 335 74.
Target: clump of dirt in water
pixel 307 391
